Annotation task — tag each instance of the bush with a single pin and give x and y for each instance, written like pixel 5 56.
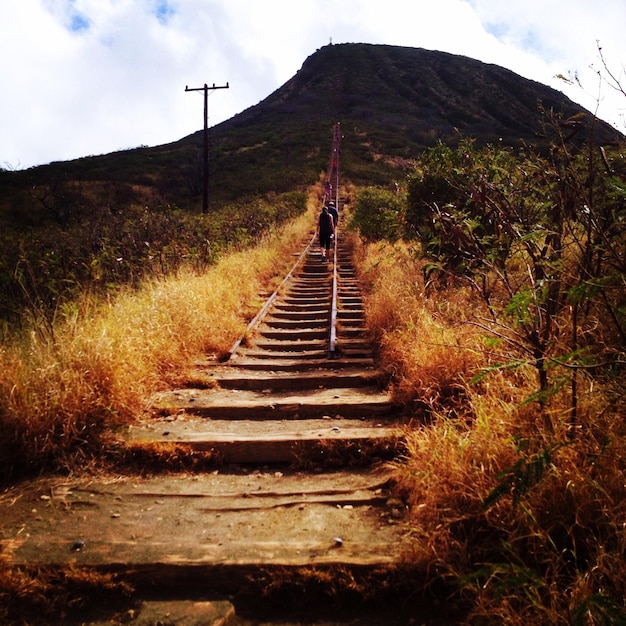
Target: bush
pixel 45 267
pixel 379 214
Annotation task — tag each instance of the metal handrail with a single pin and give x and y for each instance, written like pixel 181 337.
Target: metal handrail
pixel 259 316
pixel 332 340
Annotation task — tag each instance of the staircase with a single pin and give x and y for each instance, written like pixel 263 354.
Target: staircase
pixel 290 437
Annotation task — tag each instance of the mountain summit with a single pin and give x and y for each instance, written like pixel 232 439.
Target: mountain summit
pixel 419 95
pixel 392 102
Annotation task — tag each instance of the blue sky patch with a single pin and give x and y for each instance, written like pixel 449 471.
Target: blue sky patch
pixel 78 23
pixel 497 29
pixel 164 11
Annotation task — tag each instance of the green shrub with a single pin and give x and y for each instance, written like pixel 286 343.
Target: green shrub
pixel 379 213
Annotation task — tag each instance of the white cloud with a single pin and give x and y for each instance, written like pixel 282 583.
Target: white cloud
pixel 564 35
pixel 92 76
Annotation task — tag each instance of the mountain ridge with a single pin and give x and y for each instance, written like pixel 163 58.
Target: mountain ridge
pixel 445 88
pixel 392 102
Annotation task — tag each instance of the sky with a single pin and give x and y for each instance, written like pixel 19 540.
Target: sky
pixel 90 77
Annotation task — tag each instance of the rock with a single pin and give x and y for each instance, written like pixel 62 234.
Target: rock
pixel 394 503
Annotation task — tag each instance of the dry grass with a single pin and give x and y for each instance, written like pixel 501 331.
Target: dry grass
pixel 427 357
pixel 525 524
pixel 60 393
pixel 62 596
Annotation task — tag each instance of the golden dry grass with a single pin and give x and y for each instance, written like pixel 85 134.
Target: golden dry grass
pixel 27 595
pixel 525 524
pixel 61 392
pixel 549 549
pixel 427 356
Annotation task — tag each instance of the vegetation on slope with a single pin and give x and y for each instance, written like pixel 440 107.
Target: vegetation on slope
pixel 496 281
pixel 497 294
pixel 71 248
pixel 65 385
pixel 102 221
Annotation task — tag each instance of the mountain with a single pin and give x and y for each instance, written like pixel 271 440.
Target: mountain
pixel 391 101
pixel 415 97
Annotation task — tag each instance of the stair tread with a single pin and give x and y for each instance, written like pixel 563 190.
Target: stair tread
pixel 190 429
pixel 214 519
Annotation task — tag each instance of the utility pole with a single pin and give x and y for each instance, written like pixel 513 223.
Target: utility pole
pixel 205 187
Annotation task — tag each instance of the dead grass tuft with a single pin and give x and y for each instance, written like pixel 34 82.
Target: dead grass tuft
pixel 65 595
pixel 334 590
pixel 332 454
pixel 60 393
pixel 526 522
pixel 159 458
pixel 427 358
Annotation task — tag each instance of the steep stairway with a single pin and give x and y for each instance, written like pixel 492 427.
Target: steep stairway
pixel 293 430
pixel 282 397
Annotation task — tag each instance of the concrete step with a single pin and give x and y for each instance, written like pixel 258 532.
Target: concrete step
pixel 295 323
pixel 298 315
pixel 304 333
pixel 286 347
pixel 318 302
pixel 246 361
pixel 179 613
pixel 305 310
pixel 313 356
pixel 237 377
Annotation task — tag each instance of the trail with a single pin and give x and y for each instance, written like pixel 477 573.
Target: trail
pixel 298 438
pixel 292 498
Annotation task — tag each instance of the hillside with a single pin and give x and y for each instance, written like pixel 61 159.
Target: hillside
pixel 101 221
pixel 392 101
pixel 434 418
